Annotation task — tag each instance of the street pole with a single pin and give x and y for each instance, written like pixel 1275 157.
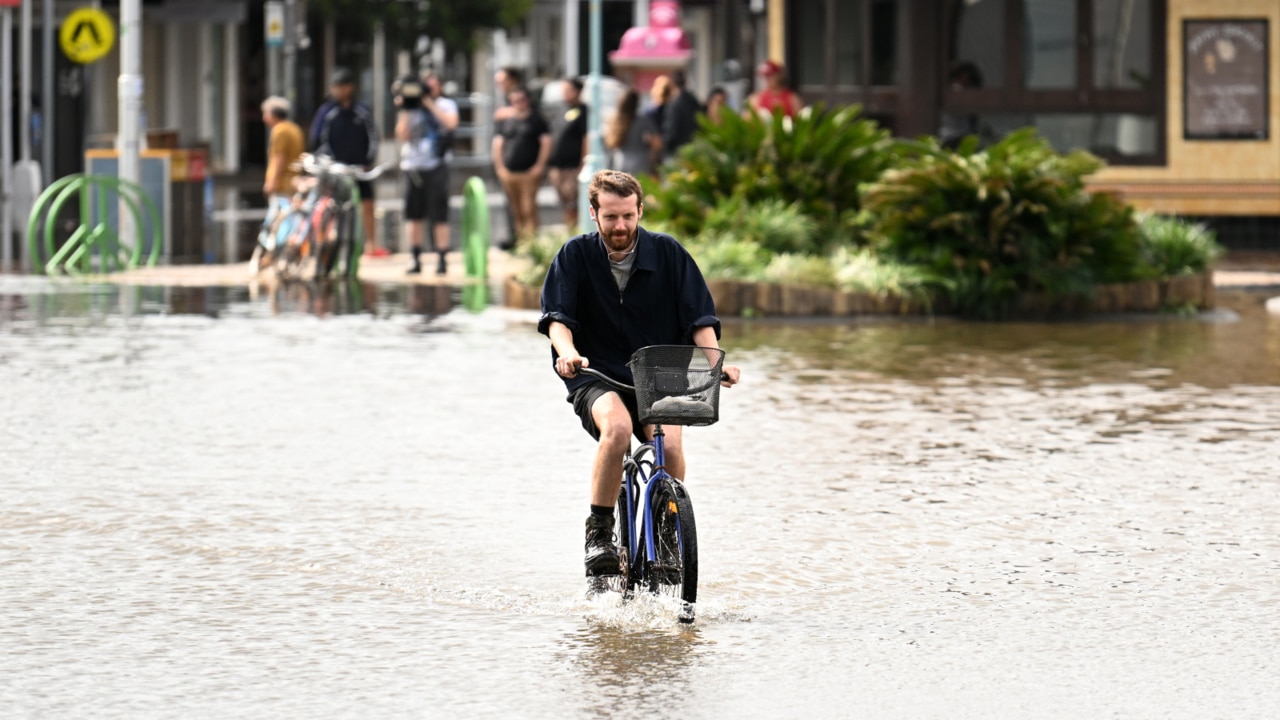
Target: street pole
pixel 24 69
pixel 46 92
pixel 129 95
pixel 595 145
pixel 290 49
pixel 6 135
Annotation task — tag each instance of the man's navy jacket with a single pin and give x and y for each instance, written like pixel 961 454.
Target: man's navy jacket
pixel 665 301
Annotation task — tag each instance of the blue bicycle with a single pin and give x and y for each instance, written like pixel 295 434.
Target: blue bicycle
pixel 657 535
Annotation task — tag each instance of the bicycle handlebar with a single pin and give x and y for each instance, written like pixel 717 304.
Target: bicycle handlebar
pixel 631 388
pixel 321 165
pixel 608 380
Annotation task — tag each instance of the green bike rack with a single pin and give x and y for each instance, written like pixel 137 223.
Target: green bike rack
pixel 75 256
pixel 475 229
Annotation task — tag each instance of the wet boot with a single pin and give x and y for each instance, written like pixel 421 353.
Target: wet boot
pixel 442 267
pixel 602 556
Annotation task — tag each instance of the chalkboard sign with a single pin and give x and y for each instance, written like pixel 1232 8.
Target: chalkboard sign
pixel 1225 79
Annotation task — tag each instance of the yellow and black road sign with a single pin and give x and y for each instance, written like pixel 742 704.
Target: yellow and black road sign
pixel 87 34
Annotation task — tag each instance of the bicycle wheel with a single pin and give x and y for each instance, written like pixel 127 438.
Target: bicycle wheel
pixel 328 241
pixel 674 570
pixel 630 572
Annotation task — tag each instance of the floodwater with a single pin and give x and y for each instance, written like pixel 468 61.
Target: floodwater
pixel 369 503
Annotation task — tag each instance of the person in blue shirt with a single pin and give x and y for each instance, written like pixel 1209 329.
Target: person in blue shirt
pixel 607 294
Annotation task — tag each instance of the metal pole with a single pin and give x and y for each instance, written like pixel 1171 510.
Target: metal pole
pixel 129 95
pixel 47 99
pixel 290 50
pixel 6 135
pixel 595 144
pixel 24 69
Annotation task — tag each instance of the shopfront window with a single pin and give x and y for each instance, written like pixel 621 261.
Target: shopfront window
pixel 843 43
pixel 1083 72
pixel 1050 44
pixel 1122 44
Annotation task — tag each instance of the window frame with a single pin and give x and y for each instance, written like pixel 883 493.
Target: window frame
pixel 1085 99
pixel 880 101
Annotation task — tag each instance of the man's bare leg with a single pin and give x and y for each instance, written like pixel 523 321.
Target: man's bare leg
pixel 614 421
pixel 370 230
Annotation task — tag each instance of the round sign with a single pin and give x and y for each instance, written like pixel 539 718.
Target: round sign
pixel 87 35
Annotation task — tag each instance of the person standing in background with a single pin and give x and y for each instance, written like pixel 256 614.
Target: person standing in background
pixel 568 148
pixel 681 119
pixel 507 79
pixel 520 151
pixel 423 127
pixel 630 137
pixel 775 96
pixel 659 97
pixel 345 131
pixel 284 148
pixel 717 99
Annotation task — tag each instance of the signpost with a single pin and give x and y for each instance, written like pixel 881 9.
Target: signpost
pixel 87 35
pixel 6 130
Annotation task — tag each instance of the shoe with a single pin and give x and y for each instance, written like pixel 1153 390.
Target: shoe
pixel 442 267
pixel 415 270
pixel 602 557
pixel 380 252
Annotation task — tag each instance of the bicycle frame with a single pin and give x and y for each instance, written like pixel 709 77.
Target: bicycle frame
pixel 640 485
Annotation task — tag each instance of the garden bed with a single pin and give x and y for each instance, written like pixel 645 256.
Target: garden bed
pixel 738 298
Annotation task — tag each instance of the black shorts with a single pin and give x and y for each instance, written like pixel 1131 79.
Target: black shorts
pixel 426 195
pixel 585 396
pixel 366 189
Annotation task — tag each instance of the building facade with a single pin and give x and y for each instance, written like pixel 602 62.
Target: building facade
pixel 1179 96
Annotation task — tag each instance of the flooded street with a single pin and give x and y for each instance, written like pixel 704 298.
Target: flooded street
pixel 369 503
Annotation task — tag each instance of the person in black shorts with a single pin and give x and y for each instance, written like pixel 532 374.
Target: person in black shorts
pixel 607 294
pixel 423 125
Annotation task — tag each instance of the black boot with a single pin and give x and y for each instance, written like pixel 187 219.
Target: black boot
pixel 442 267
pixel 417 266
pixel 602 556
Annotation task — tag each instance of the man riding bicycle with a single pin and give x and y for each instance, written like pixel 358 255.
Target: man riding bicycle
pixel 607 294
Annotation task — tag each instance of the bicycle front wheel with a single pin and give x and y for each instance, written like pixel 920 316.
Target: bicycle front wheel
pixel 673 571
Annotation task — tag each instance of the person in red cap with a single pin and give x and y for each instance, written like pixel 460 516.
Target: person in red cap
pixel 775 96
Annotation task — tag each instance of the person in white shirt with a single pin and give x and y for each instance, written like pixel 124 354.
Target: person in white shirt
pixel 424 127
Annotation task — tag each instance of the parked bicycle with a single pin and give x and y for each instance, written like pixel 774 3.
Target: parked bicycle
pixel 318 233
pixel 657 535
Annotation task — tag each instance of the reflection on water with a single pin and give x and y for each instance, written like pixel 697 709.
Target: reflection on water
pixel 340 500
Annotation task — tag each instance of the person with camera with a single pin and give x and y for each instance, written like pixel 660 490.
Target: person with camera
pixel 424 128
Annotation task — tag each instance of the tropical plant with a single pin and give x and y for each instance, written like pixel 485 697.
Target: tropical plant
pixel 795 269
pixel 1013 218
pixel 539 251
pixel 1172 246
pixel 861 270
pixel 722 257
pixel 814 161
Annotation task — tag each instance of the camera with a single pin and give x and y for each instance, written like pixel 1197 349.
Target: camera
pixel 408 92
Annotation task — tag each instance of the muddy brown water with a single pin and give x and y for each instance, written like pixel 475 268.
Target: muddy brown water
pixel 369 501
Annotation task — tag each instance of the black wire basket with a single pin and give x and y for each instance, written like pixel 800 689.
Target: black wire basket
pixel 677 384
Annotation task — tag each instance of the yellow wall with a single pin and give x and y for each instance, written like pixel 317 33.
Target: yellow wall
pixel 1229 177
pixel 778 31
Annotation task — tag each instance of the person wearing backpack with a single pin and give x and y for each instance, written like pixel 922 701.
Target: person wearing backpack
pixel 424 128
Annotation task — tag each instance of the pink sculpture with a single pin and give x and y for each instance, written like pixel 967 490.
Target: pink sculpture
pixel 647 52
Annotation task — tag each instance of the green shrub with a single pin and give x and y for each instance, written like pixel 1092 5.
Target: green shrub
pixel 1172 246
pixel 1011 219
pixel 539 250
pixel 723 257
pixel 774 225
pixel 794 269
pixel 814 162
pixel 862 270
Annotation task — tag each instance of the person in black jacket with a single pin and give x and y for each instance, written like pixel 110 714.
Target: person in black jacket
pixel 681 119
pixel 608 293
pixel 344 130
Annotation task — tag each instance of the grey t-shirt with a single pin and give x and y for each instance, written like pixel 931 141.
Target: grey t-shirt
pixel 622 270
